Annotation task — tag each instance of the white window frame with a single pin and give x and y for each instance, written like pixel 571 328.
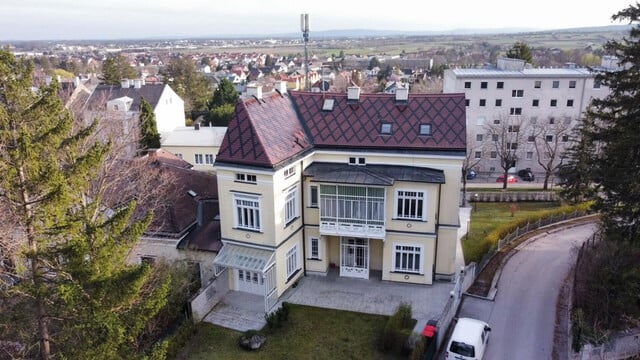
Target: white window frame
pixel 208 159
pixel 246 178
pixel 292 261
pixel 410 250
pixel 290 171
pixel 517 93
pixel 318 254
pixel 291 205
pixel 317 191
pixel 241 220
pixel 420 195
pixel 198 159
pixel 179 155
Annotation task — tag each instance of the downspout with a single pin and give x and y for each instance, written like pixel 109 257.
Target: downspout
pixel 304 237
pixel 435 252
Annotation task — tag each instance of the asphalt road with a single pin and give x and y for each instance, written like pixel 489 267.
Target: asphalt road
pixel 522 317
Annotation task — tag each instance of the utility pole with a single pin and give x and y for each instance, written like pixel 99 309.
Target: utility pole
pixel 304 27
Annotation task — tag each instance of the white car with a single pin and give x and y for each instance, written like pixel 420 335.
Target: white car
pixel 468 340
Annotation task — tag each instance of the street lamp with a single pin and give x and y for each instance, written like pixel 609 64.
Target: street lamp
pixel 475 202
pixel 304 27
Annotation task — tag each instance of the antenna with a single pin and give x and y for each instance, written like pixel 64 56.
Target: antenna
pixel 304 27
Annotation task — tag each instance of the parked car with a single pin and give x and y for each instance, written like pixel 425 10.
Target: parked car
pixel 526 175
pixel 471 174
pixel 510 179
pixel 468 340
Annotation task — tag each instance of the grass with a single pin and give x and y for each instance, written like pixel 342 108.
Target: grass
pixel 310 333
pixel 486 217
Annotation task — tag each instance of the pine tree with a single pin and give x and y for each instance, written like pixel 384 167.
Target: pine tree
pixel 77 298
pixel 149 137
pixel 521 51
pixel 617 166
pixel 222 104
pixel 115 69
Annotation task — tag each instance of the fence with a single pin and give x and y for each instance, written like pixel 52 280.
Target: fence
pixel 208 296
pixel 463 281
pixel 523 230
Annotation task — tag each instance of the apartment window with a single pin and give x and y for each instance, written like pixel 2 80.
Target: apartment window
pixel 314 248
pixel 556 84
pixel 572 84
pixel 385 128
pixel 410 204
pixel 496 121
pixel 313 196
pixel 553 103
pixel 493 155
pixel 198 159
pixel 178 155
pixel 500 85
pixel 248 178
pixel 596 84
pixel 293 264
pixel 467 84
pixel 483 85
pixel 478 154
pixel 425 129
pixel 498 102
pixel 552 120
pixel 514 128
pixel 466 102
pixel 478 137
pixel 247 212
pixel 407 258
pixel 480 121
pixel 515 111
pixel 531 138
pixel 512 146
pixel 570 102
pixel 291 205
pixel 290 171
pixel 208 159
pixel 565 138
pixel 517 93
pixel 537 84
pixel 357 161
pixel 483 102
pixel 548 138
pixel 494 137
pixel 535 103
pixel 529 155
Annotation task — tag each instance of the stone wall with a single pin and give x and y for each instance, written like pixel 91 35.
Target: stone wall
pixel 209 296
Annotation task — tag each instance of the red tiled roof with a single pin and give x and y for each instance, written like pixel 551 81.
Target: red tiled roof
pixel 263 133
pixel 267 133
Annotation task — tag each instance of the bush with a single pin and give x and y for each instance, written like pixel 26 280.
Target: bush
pixel 277 318
pixel 397 330
pixel 178 339
pixel 418 350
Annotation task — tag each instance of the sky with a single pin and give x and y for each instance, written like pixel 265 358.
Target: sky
pixel 135 19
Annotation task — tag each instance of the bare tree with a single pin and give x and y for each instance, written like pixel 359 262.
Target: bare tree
pixel 550 137
pixel 470 161
pixel 506 135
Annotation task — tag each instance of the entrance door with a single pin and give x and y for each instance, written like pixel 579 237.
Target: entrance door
pixel 354 257
pixel 249 281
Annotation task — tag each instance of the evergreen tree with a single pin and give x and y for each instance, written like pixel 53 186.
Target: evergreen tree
pixel 188 83
pixel 149 137
pixel 520 50
pixel 115 69
pixel 77 298
pixel 618 118
pixel 222 105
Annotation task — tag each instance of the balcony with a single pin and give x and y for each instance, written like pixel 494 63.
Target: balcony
pixel 352 211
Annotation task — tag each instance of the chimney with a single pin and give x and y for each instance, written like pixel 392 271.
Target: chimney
pixel 137 83
pixel 402 95
pixel 76 81
pixel 281 86
pixel 124 83
pixel 254 90
pixel 353 94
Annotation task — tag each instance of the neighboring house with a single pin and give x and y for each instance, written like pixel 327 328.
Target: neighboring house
pixel 542 98
pixel 118 108
pixel 198 145
pixel 186 225
pixel 364 185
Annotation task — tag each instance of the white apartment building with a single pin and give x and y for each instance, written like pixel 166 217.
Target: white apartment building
pixel 542 104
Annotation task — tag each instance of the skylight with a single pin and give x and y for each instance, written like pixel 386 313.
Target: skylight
pixel 385 128
pixel 328 104
pixel 425 129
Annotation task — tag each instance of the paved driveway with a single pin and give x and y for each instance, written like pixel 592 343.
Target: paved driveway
pixel 522 317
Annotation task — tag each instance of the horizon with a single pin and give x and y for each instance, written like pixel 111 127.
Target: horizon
pixel 46 20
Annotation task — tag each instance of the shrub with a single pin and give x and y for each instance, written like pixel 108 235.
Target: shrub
pixel 418 350
pixel 397 329
pixel 277 318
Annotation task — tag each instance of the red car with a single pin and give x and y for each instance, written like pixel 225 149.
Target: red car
pixel 510 179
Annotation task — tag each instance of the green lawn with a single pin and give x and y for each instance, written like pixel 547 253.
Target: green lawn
pixel 486 217
pixel 310 333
